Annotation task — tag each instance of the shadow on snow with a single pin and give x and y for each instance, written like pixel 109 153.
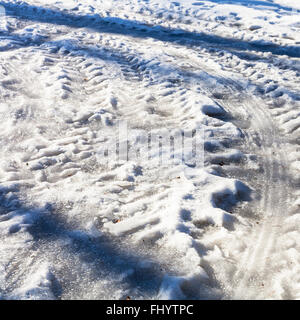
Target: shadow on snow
pixel 137 29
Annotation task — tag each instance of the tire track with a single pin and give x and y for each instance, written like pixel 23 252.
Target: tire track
pixel 253 272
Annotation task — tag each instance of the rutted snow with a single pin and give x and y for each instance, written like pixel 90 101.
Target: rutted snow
pixel 77 224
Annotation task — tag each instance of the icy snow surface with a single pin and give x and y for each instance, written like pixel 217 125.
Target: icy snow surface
pixel 73 226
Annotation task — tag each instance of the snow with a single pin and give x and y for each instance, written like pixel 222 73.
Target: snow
pixel 79 220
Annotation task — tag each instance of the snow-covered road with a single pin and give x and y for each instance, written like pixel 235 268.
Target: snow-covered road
pixel 78 223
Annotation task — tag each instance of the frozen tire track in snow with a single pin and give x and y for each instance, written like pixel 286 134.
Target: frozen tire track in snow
pixel 253 278
pixel 274 207
pixel 75 227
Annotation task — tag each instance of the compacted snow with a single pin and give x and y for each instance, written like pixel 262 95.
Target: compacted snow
pixel 78 220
